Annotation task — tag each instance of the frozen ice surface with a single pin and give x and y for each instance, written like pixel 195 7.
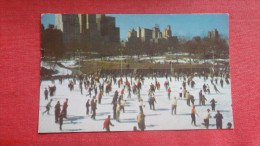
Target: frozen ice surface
pixel 160 119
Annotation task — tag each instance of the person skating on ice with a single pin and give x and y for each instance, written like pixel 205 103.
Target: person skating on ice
pixel 48 106
pixel 218 118
pixel 216 89
pixel 206 118
pixel 87 107
pixel 46 94
pixel 64 108
pixel 57 111
pixel 174 105
pixel 141 105
pixel 169 92
pixel 213 104
pixel 193 117
pixel 180 93
pixel 107 123
pixel 94 108
pixel 141 121
pixel 151 101
pixel 61 116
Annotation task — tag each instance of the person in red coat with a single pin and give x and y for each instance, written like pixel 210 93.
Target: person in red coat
pixel 107 123
pixel 61 119
pixel 64 108
pixel 169 93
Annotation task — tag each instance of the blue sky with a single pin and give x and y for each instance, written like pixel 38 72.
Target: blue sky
pixel 185 25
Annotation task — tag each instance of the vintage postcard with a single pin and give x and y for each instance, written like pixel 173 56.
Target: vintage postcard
pixel 134 72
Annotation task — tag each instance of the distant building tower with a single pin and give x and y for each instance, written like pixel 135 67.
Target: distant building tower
pixel 213 34
pixel 71 28
pixel 79 27
pixel 144 34
pixel 108 28
pixel 58 21
pixel 99 18
pixel 88 24
pixel 167 33
pixel 156 33
pixel 132 33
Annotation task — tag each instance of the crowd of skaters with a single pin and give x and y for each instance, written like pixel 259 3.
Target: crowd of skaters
pixel 97 85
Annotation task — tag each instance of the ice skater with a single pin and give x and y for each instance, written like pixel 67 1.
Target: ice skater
pixel 57 112
pixel 61 116
pixel 94 108
pixel 169 93
pixel 206 118
pixel 193 117
pixel 151 102
pixel 107 123
pixel 213 104
pixel 64 108
pixel 46 94
pixel 218 118
pixel 216 89
pixel 141 105
pixel 141 121
pixel 174 105
pixel 48 106
pixel 87 107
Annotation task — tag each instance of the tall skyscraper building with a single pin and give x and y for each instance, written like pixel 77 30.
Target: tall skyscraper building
pixel 167 33
pixel 213 34
pixel 76 27
pixel 156 33
pixel 58 21
pixel 132 33
pixel 151 37
pixel 144 34
pixel 108 28
pixel 69 25
pixel 88 25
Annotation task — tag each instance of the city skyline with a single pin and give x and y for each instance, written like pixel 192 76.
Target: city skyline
pixel 183 25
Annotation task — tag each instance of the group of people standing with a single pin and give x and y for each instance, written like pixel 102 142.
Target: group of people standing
pixel 96 84
pixel 60 111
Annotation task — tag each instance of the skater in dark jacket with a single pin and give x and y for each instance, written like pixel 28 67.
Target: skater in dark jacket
pixel 218 118
pixel 204 99
pixel 213 104
pixel 48 106
pixel 192 99
pixel 200 97
pixel 152 101
pixel 114 110
pixel 87 107
pixel 46 94
pixel 94 108
pixel 221 82
pixel 57 112
pixel 216 89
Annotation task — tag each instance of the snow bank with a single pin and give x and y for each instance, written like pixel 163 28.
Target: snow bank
pixel 56 68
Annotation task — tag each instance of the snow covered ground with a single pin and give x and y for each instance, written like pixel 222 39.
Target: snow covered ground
pixel 160 119
pixel 56 68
